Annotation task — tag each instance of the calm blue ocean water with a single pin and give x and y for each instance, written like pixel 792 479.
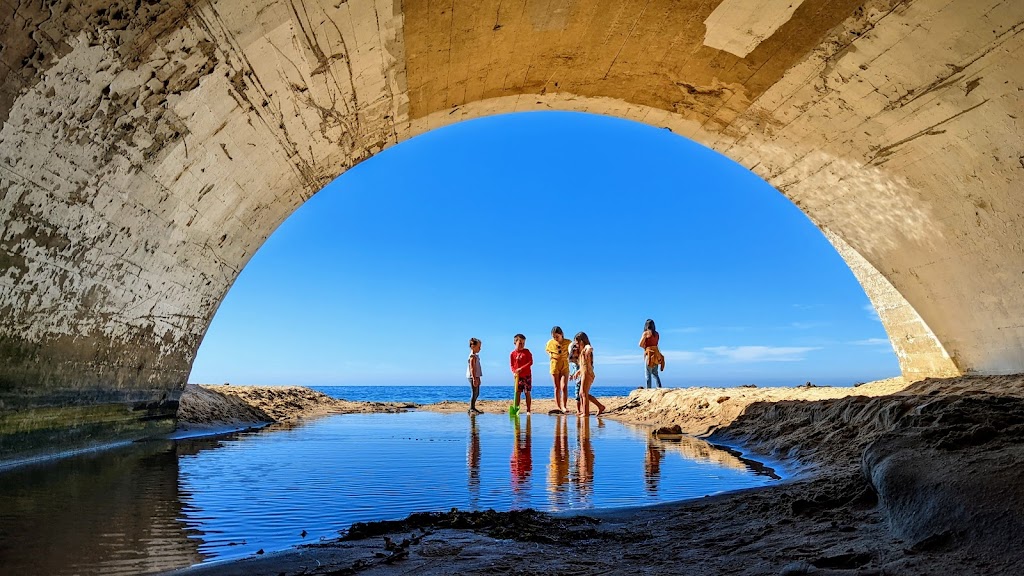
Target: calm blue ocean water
pixel 432 394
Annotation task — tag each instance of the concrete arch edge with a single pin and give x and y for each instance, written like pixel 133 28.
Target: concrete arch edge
pixel 920 353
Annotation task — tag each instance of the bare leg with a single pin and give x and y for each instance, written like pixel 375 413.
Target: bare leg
pixel 576 394
pixel 555 378
pixel 596 402
pixel 587 396
pixel 529 401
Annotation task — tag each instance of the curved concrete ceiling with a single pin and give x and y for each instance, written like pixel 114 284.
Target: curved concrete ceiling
pixel 149 148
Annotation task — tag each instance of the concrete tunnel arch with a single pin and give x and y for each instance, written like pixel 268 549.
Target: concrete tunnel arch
pixel 147 151
pixel 917 350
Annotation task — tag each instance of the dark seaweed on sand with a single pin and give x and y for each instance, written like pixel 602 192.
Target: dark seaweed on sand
pixel 524 525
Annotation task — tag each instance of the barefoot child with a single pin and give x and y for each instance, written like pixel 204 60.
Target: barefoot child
pixel 586 374
pixel 558 349
pixel 574 373
pixel 520 361
pixel 474 373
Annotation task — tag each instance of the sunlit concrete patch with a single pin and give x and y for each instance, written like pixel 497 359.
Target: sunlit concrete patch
pixel 864 198
pixel 919 352
pixel 739 26
pixel 548 14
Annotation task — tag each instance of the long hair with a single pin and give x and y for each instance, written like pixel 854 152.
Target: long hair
pixel 649 325
pixel 582 338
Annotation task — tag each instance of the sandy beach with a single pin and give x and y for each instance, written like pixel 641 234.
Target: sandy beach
pixel 892 479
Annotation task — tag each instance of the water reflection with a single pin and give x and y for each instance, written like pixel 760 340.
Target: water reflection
pixel 110 512
pixel 558 463
pixel 473 463
pixel 584 460
pixel 702 451
pixel 652 465
pixel 521 462
pixel 163 505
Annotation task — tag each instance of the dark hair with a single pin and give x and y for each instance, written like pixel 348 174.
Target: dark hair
pixel 473 341
pixel 519 337
pixel 582 337
pixel 649 325
pixel 557 330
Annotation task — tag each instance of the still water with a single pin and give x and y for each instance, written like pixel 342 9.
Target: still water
pixel 160 505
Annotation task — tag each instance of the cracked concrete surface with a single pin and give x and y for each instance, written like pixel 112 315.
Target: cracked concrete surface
pixel 149 148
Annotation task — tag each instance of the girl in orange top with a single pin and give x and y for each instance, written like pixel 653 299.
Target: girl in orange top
pixel 653 358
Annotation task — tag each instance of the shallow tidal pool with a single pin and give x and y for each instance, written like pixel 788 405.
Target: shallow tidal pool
pixel 160 505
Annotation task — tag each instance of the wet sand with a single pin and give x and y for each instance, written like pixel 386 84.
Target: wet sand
pixel 919 479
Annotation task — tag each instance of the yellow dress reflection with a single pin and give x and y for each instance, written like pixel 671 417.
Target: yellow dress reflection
pixel 473 464
pixel 521 462
pixel 558 463
pixel 584 477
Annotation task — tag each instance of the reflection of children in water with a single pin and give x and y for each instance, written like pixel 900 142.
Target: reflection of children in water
pixel 521 462
pixel 584 468
pixel 473 463
pixel 652 465
pixel 558 465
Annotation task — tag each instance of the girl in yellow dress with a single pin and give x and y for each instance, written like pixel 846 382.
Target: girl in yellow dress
pixel 558 349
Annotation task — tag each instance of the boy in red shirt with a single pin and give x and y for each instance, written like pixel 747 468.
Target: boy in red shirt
pixel 521 360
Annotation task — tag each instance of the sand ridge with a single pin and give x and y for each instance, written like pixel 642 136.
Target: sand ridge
pixel 211 405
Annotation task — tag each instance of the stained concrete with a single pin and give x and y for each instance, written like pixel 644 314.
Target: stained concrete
pixel 148 149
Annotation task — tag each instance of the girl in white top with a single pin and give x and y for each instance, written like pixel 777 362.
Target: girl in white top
pixel 474 373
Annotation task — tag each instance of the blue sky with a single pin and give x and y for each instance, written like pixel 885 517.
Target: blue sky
pixel 519 222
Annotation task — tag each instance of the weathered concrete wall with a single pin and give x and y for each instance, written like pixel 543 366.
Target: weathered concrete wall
pixel 145 156
pixel 147 151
